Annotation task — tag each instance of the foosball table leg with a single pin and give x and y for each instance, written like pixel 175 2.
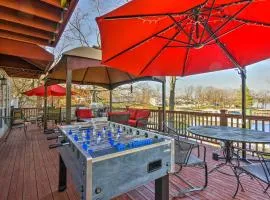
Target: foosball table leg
pixel 62 175
pixel 162 188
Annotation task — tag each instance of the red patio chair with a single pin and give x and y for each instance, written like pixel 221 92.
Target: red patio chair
pixel 139 118
pixel 84 114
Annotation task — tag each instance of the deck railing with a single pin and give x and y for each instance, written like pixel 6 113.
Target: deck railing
pixel 181 120
pixel 31 112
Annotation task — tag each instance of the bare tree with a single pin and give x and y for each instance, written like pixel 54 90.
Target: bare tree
pixel 79 28
pixel 21 85
pixel 172 92
pixel 188 94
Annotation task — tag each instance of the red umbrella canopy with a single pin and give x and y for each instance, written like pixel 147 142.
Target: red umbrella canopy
pixel 53 90
pixel 180 37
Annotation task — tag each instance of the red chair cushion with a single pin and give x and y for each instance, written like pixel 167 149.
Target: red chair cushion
pixel 84 113
pixel 143 114
pixel 132 113
pixel 132 122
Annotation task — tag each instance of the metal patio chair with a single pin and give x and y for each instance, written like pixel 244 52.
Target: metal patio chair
pixel 185 158
pixel 54 114
pixel 17 120
pixel 257 169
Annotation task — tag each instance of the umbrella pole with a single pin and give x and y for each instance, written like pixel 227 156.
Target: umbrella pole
pixel 68 95
pixel 111 100
pixel 164 104
pixel 244 102
pixel 45 106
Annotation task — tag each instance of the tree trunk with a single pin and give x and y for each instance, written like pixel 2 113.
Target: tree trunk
pixel 172 101
pixel 172 93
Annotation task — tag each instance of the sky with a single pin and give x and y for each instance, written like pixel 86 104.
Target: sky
pixel 258 75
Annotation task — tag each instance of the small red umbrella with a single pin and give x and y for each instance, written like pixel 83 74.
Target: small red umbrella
pixel 53 90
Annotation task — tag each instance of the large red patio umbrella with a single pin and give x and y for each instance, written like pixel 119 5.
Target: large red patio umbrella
pixel 53 90
pixel 181 38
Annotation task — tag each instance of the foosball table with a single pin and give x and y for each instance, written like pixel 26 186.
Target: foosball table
pixel 106 159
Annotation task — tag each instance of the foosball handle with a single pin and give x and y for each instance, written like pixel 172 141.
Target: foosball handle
pixel 52 146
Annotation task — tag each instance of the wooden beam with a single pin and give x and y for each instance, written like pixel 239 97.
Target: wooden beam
pixel 24 30
pixel 17 63
pixel 35 8
pixel 11 73
pixel 37 65
pixel 27 20
pixel 25 50
pixel 56 3
pixel 42 65
pixel 23 38
pixel 25 73
pixel 21 70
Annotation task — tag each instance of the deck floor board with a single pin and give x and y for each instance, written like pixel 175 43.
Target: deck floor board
pixel 29 171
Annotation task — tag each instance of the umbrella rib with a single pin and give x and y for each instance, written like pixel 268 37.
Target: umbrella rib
pixel 247 21
pixel 146 39
pixel 86 71
pixel 188 50
pixel 225 50
pixel 178 46
pixel 158 53
pixel 207 20
pixel 179 25
pixel 108 75
pixel 226 33
pixel 169 39
pixel 132 79
pixel 229 19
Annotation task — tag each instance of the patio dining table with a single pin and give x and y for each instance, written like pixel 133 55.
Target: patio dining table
pixel 229 135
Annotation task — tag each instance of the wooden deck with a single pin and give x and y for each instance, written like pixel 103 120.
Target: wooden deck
pixel 29 171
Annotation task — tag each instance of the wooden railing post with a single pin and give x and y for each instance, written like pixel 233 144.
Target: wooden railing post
pixel 223 118
pixel 160 119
